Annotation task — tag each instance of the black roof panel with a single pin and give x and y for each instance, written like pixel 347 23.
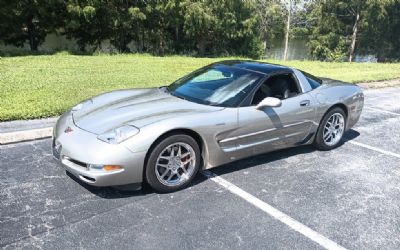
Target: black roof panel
pixel 265 68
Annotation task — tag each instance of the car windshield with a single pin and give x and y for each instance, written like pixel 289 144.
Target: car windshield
pixel 216 85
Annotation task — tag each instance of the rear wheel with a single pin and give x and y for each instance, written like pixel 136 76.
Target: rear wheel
pixel 173 163
pixel 331 130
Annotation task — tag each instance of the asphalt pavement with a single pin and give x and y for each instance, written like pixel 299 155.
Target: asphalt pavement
pixel 296 198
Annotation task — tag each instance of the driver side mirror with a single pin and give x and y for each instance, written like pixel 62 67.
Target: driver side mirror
pixel 269 102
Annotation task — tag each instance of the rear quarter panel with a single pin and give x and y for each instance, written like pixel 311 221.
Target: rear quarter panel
pixel 333 93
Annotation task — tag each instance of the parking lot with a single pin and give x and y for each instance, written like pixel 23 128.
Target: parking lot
pixel 295 198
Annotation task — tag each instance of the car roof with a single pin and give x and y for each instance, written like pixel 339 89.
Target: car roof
pixel 265 68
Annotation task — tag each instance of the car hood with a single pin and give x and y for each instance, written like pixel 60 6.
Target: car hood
pixel 137 107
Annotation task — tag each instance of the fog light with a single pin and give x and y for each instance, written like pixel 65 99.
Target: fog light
pixel 95 166
pixel 112 167
pixel 100 167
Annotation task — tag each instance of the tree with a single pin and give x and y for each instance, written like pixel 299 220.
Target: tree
pixel 281 19
pixel 237 29
pixel 271 20
pixel 294 10
pixel 29 21
pixel 88 22
pixel 173 10
pixel 289 4
pixel 354 10
pixel 222 27
pixel 340 24
pixel 163 27
pixel 199 23
pixel 380 34
pixel 125 24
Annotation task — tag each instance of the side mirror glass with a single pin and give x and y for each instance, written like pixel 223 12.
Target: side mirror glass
pixel 269 102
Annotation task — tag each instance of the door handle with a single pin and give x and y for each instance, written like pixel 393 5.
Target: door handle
pixel 305 103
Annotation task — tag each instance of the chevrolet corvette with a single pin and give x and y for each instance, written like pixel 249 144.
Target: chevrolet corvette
pixel 220 113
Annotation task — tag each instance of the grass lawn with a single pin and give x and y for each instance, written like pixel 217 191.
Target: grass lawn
pixel 44 86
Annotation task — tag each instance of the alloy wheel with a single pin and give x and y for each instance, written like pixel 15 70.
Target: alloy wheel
pixel 175 164
pixel 333 130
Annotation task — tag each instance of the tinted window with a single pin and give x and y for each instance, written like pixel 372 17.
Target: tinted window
pixel 280 86
pixel 218 85
pixel 315 82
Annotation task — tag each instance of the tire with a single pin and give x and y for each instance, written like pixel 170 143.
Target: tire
pixel 325 144
pixel 179 155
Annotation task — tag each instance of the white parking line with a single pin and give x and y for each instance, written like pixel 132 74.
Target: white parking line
pixel 382 111
pixel 275 213
pixel 374 149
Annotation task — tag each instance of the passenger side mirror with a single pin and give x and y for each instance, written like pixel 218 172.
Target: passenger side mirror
pixel 269 102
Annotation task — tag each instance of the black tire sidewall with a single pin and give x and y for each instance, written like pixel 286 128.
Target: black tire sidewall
pixel 150 173
pixel 319 140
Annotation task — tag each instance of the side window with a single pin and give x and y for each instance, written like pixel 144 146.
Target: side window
pixel 312 80
pixel 263 92
pixel 314 84
pixel 280 86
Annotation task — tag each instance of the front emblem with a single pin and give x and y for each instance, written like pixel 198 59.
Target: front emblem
pixel 68 130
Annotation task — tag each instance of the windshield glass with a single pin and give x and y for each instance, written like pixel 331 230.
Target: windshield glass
pixel 217 85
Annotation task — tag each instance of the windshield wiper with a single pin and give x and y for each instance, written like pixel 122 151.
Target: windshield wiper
pixel 173 94
pixel 210 103
pixel 165 89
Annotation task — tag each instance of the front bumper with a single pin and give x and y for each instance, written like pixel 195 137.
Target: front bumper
pixel 77 148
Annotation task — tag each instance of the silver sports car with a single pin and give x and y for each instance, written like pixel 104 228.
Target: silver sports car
pixel 218 114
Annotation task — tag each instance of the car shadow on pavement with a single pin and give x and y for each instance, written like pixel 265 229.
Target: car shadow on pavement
pixel 262 159
pixel 266 158
pixel 112 192
pixel 118 193
pixel 350 135
pixel 247 163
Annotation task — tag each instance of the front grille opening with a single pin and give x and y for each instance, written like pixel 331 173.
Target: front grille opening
pixel 56 149
pixel 88 178
pixel 84 165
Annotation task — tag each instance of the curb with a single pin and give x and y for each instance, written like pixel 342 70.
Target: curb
pixel 380 84
pixel 27 135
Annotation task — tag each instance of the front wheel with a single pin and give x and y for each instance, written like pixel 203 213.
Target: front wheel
pixel 331 130
pixel 173 163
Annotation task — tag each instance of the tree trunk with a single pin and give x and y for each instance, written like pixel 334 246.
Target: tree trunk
pixel 201 45
pixel 33 44
pixel 286 51
pixel 176 42
pixel 143 48
pixel 33 41
pixel 161 45
pixel 177 34
pixel 123 42
pixel 354 38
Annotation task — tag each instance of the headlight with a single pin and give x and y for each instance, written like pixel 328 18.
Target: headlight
pixel 118 135
pixel 79 106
